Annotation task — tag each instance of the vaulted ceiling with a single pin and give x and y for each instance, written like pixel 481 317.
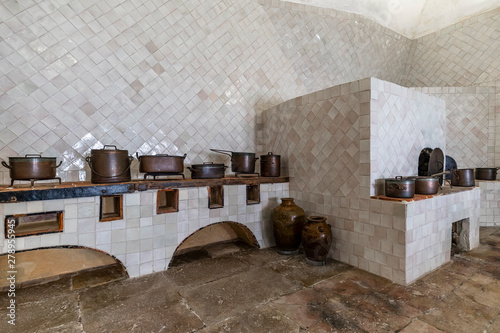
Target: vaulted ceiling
pixel 411 18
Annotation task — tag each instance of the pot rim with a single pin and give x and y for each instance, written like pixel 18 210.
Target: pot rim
pixel 208 165
pixel 400 180
pixel 32 158
pixel 163 155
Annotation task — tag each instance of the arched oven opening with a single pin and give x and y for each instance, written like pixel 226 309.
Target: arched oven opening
pixel 214 240
pixel 84 266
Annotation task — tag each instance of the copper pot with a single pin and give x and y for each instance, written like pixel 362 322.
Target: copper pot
pixel 400 187
pixel 109 165
pixel 207 170
pixel 486 173
pixel 161 163
pixel 462 177
pixel 240 162
pixel 32 167
pixel 270 165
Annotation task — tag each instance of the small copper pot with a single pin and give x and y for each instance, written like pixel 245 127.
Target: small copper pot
pixel 400 187
pixel 486 173
pixel 462 177
pixel 270 165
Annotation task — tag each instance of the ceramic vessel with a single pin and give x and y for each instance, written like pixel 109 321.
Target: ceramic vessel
pixel 288 220
pixel 316 240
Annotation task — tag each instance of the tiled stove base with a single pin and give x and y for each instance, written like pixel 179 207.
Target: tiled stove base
pixel 143 240
pixel 490 203
pixel 418 233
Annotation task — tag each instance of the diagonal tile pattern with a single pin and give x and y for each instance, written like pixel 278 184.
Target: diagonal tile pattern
pixel 168 77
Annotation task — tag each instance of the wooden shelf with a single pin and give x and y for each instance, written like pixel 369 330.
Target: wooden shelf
pixel 67 190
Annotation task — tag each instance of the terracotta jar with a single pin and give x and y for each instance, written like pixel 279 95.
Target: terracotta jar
pixel 316 240
pixel 288 219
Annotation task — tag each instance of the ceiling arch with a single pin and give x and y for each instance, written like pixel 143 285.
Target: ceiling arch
pixel 411 18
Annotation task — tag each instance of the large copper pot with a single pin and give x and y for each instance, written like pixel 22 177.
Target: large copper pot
pixel 109 165
pixel 161 163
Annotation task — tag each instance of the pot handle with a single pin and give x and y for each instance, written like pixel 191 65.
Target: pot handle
pixel 226 152
pixel 57 166
pixel 394 186
pixel 138 157
pixel 6 165
pixel 110 146
pixel 184 157
pixel 456 174
pixel 88 159
pixel 32 155
pixel 441 173
pixel 190 169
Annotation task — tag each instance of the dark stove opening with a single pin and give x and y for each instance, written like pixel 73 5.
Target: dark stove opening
pixel 459 236
pixel 214 240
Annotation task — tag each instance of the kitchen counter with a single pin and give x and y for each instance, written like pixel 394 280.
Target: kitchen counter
pixel 51 191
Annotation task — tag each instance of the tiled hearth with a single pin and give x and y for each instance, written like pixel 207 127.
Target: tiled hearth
pixel 353 136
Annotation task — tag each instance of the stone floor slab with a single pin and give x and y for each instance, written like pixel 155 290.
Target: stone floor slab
pixel 224 298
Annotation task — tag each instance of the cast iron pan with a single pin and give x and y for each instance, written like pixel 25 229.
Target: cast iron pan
pixel 450 164
pixel 436 163
pixel 423 161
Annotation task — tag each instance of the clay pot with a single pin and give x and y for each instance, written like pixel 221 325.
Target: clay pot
pixel 316 240
pixel 288 219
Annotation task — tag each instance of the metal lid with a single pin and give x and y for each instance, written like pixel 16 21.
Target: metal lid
pixel 32 158
pixel 109 151
pixel 208 165
pixel 400 180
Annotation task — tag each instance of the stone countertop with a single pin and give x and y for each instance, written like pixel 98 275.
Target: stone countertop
pixel 67 190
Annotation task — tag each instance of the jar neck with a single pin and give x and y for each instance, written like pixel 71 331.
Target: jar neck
pixel 316 218
pixel 287 201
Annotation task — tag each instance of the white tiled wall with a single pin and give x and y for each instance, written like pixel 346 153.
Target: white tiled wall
pixel 490 203
pixel 143 240
pixel 169 76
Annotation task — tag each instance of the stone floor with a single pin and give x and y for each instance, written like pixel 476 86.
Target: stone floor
pixel 261 291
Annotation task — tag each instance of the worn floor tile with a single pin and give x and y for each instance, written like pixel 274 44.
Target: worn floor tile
pixel 296 268
pixel 315 313
pixel 149 304
pixel 43 314
pixel 417 326
pixel 206 270
pixel 262 319
pixel 262 257
pixel 481 289
pixel 456 314
pixel 224 298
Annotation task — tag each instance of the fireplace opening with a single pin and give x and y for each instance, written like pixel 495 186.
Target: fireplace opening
pixel 213 241
pixel 77 264
pixel 22 225
pixel 459 236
